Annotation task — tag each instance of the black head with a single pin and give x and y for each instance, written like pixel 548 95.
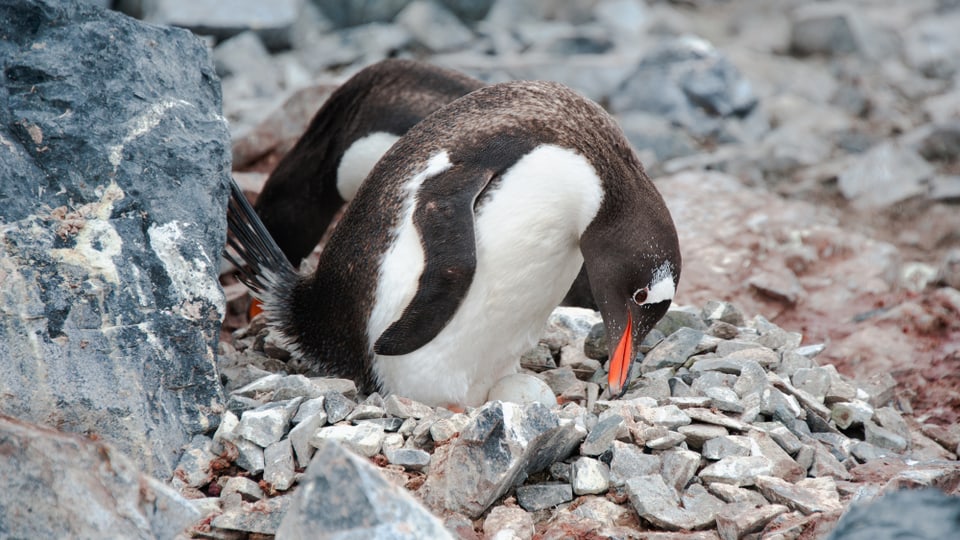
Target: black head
pixel 632 258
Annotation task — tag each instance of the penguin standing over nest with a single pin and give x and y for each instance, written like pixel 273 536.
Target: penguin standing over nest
pixel 463 238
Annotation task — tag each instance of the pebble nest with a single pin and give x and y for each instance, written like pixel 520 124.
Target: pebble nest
pixel 729 429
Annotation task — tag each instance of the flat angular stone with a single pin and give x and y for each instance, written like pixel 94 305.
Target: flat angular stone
pixel 891 419
pixel 194 469
pixel 261 517
pixel 735 494
pixel 248 489
pixel 502 443
pixel 508 522
pixel 409 458
pixel 801 496
pixel 602 511
pixel 364 439
pixel 808 401
pixel 764 356
pixel 727 446
pixel 736 520
pixel 628 461
pixel 226 431
pixel 677 467
pixel 724 399
pixel 249 456
pixel 602 435
pixel 267 424
pixel 535 497
pixel 434 26
pixel 668 440
pixel 589 476
pixel 659 504
pixel 851 413
pixel 668 416
pixel 886 174
pixel 782 465
pixel 815 381
pixel 301 433
pixel 365 412
pixel 715 310
pixel 278 469
pixel 337 406
pixel 310 408
pixel 386 424
pixel 884 438
pixel 825 464
pixel 445 428
pixel 707 416
pixel 672 351
pixel 697 434
pixel 737 470
pixel 402 407
pixel 342 494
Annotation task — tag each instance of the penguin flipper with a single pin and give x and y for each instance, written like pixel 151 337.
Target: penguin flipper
pixel 445 219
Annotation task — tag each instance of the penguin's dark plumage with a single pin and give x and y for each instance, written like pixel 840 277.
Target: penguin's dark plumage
pixel 464 237
pixel 353 128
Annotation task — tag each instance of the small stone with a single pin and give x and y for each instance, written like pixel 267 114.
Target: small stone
pixel 602 511
pixel 535 497
pixel 391 441
pixel 736 520
pixel 387 424
pixel 852 413
pixel 697 434
pixel 825 464
pixel 668 416
pixel 865 451
pixel 364 411
pixel 194 467
pixel 595 342
pixel 446 428
pixel 226 431
pixel 764 356
pixel 409 458
pixel 267 424
pixel 678 467
pixel 589 476
pixel 891 419
pixel 737 470
pixel 326 385
pixel 568 326
pixel 727 446
pixel 364 439
pixel 709 417
pixel 675 319
pixel 782 465
pixel 815 381
pixel 715 310
pixel 801 496
pixel 884 438
pixel 402 407
pixel 886 174
pixel 249 456
pixel 301 433
pixel 628 461
pixel 508 522
pixel 724 399
pixel 337 406
pixel 278 468
pixel 669 440
pixel 309 408
pixel 265 519
pixel 687 402
pixel 722 330
pixel 247 489
pixel 672 351
pixel 659 504
pixel 601 437
pixel 736 494
pixel 540 358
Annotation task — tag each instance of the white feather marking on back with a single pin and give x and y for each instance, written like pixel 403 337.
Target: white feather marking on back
pixel 357 162
pixel 402 264
pixel 528 233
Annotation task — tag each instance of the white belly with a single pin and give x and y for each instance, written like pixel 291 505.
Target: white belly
pixel 527 257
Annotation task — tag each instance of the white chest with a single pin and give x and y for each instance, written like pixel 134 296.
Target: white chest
pixel 527 237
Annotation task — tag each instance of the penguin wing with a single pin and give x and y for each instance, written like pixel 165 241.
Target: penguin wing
pixel 444 216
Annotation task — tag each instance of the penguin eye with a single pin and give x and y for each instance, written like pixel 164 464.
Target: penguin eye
pixel 640 295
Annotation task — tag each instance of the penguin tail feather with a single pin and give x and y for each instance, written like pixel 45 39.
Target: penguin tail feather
pixel 261 265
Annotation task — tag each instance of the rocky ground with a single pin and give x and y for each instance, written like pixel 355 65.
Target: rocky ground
pixel 810 155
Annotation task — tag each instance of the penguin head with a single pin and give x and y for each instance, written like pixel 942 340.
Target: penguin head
pixel 633 266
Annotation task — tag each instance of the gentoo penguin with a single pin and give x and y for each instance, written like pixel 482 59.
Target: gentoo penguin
pixel 358 123
pixel 464 237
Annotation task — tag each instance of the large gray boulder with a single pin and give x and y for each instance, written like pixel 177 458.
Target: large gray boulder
pixel 113 170
pixel 60 485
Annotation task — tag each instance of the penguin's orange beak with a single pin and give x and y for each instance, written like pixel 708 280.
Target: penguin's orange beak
pixel 256 308
pixel 621 359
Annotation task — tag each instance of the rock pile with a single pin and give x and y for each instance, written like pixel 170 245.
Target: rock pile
pixel 731 427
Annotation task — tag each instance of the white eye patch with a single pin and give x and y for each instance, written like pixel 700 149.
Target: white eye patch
pixel 661 287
